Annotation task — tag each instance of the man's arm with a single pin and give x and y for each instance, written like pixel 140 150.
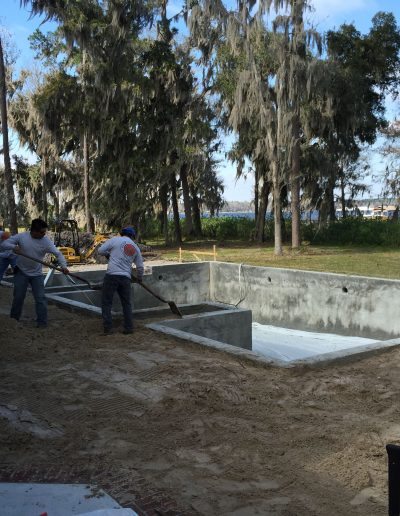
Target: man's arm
pixel 139 265
pixel 51 248
pixel 10 244
pixel 105 248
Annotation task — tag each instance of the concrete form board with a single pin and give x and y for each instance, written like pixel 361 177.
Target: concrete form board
pixel 22 499
pixel 346 305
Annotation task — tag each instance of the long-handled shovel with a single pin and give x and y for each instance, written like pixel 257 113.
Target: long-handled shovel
pixel 174 309
pixel 51 266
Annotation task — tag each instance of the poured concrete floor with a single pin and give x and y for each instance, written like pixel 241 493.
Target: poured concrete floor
pixel 288 345
pixel 219 435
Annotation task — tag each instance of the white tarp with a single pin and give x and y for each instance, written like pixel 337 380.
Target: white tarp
pixel 287 345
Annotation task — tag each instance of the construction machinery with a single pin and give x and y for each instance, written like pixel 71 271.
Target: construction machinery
pixel 73 254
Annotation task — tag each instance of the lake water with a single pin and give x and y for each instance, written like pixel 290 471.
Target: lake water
pixel 313 215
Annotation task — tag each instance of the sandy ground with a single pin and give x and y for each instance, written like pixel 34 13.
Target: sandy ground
pixel 220 436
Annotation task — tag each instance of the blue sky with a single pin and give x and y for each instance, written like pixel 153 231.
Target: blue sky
pixel 327 14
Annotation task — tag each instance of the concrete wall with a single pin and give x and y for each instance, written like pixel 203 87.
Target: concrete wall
pixel 188 282
pixel 347 305
pixel 184 283
pixel 229 326
pixel 181 283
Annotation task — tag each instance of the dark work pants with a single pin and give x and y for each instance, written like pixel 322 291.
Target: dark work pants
pixel 5 262
pixel 21 282
pixel 122 285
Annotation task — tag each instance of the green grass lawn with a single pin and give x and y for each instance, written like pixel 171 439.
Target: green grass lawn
pixel 377 262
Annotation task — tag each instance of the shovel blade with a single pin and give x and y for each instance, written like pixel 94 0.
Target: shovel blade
pixel 174 309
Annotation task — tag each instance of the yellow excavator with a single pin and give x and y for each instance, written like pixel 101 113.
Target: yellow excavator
pixel 73 254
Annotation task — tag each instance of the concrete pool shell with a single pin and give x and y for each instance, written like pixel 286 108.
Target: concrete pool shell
pixel 220 301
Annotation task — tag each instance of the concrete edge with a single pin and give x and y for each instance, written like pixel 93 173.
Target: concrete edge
pixel 228 310
pixel 313 273
pixel 214 344
pixel 349 354
pixel 91 309
pixel 335 357
pixel 68 303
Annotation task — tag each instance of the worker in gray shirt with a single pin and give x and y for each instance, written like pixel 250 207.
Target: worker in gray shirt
pixel 122 252
pixel 33 243
pixel 6 257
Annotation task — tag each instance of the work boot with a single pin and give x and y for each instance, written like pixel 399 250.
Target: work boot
pixel 127 332
pixel 108 331
pixel 41 326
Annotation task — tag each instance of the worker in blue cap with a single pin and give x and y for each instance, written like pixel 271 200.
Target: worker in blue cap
pixel 122 252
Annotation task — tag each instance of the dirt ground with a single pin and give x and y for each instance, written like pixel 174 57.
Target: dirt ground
pixel 219 436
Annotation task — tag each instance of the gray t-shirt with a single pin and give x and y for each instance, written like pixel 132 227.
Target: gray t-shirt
pixel 35 247
pixel 3 252
pixel 123 252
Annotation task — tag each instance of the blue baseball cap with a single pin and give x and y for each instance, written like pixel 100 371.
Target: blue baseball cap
pixel 130 232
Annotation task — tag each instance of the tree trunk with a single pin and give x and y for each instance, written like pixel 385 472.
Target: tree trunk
pixel 327 207
pixel 186 200
pixel 89 221
pixel 283 227
pixel 295 185
pixel 323 212
pixel 177 224
pixel 332 211
pixel 196 212
pixel 260 221
pixel 164 205
pixel 256 194
pixel 277 209
pixel 56 204
pixel 134 220
pixel 12 209
pixel 342 197
pixel 44 189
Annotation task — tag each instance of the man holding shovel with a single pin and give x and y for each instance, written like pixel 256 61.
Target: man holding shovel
pixel 122 252
pixel 36 244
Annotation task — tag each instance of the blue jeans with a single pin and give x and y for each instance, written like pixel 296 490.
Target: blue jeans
pixel 21 282
pixel 121 284
pixel 5 262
